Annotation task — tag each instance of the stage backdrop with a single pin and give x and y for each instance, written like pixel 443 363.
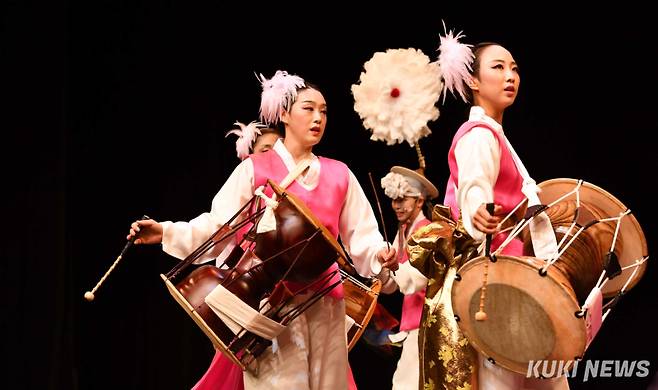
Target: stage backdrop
pixel 118 109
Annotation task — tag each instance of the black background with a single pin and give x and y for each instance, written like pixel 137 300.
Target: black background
pixel 117 109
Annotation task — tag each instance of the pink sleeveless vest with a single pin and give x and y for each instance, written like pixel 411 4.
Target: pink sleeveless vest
pixel 507 189
pixel 325 200
pixel 412 305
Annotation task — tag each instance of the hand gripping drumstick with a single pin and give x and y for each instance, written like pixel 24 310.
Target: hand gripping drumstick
pixel 89 295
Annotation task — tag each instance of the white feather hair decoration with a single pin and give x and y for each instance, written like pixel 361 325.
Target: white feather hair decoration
pixel 279 93
pixel 455 59
pixel 247 134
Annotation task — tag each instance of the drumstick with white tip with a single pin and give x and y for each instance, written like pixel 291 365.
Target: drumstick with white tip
pixel 90 295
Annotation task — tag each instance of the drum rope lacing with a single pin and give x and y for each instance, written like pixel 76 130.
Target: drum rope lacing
pixel 563 245
pixel 531 213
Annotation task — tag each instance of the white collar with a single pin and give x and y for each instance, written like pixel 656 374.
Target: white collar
pixel 419 217
pixel 311 178
pixel 477 114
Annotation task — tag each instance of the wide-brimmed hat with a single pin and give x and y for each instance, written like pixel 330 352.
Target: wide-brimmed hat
pixel 430 189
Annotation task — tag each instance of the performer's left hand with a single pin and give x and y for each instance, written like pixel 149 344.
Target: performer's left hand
pixel 388 259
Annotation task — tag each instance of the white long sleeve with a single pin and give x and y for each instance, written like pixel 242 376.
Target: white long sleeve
pixel 477 154
pixel 179 239
pixel 407 278
pixel 357 226
pixel 359 231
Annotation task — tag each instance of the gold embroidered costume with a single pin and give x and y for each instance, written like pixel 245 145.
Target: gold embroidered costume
pixel 437 251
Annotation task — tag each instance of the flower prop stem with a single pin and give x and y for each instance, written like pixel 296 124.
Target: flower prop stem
pixel 421 158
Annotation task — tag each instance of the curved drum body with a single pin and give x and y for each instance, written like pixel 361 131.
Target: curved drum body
pixel 630 245
pixel 300 250
pixel 360 304
pixel 535 315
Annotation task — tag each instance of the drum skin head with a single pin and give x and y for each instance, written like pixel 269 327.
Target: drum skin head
pixel 530 317
pixel 630 235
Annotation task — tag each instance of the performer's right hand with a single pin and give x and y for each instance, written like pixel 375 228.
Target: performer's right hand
pixel 150 232
pixel 387 258
pixel 485 222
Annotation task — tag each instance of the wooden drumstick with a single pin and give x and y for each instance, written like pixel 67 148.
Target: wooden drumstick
pixel 381 215
pixel 89 295
pixel 487 246
pixel 379 207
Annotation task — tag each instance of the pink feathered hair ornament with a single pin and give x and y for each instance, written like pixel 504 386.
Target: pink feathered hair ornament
pixel 279 93
pixel 246 136
pixel 455 59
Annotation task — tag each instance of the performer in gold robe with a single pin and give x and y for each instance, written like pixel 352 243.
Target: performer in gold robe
pixel 438 250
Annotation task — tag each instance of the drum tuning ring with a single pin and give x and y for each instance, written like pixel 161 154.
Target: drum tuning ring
pixel 542 272
pixel 457 318
pixel 580 313
pixel 491 360
pixel 458 277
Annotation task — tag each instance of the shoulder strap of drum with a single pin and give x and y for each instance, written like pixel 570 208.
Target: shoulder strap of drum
pixel 296 171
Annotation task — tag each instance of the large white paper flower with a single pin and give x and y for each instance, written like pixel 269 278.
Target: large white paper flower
pixel 397 94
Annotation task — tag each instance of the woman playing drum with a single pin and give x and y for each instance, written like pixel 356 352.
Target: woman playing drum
pixel 484 168
pixel 312 352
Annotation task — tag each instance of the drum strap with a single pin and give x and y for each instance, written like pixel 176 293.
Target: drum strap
pixel 268 221
pixel 236 314
pixel 296 171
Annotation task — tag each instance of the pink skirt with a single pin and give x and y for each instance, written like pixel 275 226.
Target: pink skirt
pixel 222 374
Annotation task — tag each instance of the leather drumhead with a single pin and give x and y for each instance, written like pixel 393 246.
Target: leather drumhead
pixel 633 243
pixel 530 317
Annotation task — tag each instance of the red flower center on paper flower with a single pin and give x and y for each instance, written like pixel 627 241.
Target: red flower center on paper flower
pixel 395 92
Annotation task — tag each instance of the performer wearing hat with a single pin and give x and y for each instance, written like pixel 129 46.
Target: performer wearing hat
pixel 408 190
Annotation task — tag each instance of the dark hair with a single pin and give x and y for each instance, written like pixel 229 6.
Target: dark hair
pixel 306 86
pixel 477 51
pixel 271 130
pixel 280 126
